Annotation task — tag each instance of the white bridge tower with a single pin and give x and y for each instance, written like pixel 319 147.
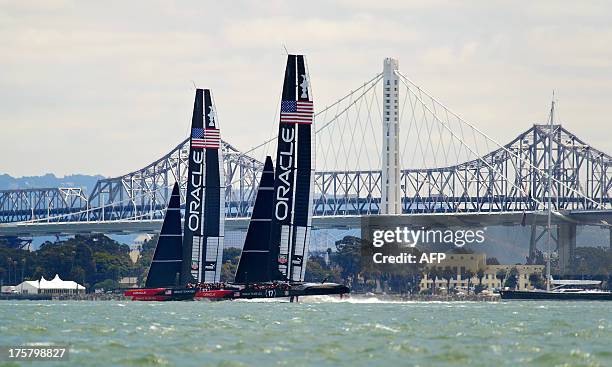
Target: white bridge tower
pixel 391 194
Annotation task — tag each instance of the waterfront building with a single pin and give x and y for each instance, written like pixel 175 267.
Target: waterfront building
pixel 55 286
pixel 463 265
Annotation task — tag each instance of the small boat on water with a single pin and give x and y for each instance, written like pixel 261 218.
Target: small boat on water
pixel 563 290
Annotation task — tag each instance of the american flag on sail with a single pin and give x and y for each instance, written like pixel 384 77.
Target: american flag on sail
pixel 296 112
pixel 205 138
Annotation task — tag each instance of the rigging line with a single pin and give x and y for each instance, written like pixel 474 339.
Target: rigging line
pixel 429 126
pixel 350 105
pixel 353 131
pixel 362 86
pixel 370 106
pixel 413 122
pixel 379 113
pixel 364 127
pixel 440 142
pixel 451 150
pixel 377 76
pixel 401 119
pixel 406 79
pixel 441 184
pixel 484 161
pixel 358 146
pixel 333 145
pixel 322 148
pixel 357 128
pixel 342 145
pixel 419 144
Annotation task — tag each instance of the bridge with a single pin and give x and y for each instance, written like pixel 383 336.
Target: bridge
pixel 386 147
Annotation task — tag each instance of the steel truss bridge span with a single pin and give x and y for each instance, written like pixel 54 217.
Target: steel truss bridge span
pixel 583 181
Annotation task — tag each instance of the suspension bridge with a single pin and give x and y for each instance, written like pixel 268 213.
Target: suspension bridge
pixel 388 147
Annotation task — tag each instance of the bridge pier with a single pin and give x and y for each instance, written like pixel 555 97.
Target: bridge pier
pixel 390 179
pixel 533 243
pixel 566 245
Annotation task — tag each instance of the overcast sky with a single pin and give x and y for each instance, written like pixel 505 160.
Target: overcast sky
pixel 104 87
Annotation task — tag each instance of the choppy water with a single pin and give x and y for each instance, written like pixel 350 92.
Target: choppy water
pixel 316 333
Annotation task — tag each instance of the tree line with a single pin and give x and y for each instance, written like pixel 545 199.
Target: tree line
pixel 97 261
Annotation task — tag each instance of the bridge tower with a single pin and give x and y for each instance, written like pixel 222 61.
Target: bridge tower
pixel 390 202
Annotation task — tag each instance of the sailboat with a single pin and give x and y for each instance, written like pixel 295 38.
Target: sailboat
pixel 204 206
pixel 561 290
pixel 184 259
pixel 163 278
pixel 273 260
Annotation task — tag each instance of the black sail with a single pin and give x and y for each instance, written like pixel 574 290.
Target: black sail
pixel 304 176
pixel 293 185
pixel 254 265
pixel 214 206
pixel 166 265
pixel 203 229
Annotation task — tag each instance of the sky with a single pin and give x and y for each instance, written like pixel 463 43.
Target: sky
pixel 107 87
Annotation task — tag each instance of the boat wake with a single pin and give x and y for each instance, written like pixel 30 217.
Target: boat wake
pixel 349 299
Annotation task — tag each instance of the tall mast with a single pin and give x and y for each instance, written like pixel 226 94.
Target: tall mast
pixel 548 188
pixel 204 206
pixel 293 176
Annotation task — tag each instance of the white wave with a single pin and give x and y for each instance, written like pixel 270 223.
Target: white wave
pixel 348 299
pixel 263 300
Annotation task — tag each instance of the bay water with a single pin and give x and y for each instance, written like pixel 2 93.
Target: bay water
pixel 316 332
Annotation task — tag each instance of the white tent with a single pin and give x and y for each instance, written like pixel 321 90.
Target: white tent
pixel 53 286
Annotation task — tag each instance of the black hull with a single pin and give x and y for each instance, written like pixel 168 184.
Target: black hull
pixel 555 296
pixel 295 290
pixel 290 291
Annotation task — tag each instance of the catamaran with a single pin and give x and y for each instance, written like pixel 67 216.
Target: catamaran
pixel 273 260
pixel 184 259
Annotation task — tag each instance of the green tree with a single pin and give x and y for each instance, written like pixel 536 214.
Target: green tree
pixel 84 259
pixel 318 271
pixel 512 281
pixel 501 275
pixel 147 250
pixel 536 280
pixel 468 274
pixel 433 273
pixel 107 285
pixel 479 288
pixel 448 274
pixel 480 275
pixel 348 257
pixel 232 254
pixel 231 258
pixel 228 271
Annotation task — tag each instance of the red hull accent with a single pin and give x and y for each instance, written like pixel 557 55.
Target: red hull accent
pixel 160 294
pixel 144 292
pixel 215 294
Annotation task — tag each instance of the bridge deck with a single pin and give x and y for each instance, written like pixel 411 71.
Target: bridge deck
pixel 599 218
